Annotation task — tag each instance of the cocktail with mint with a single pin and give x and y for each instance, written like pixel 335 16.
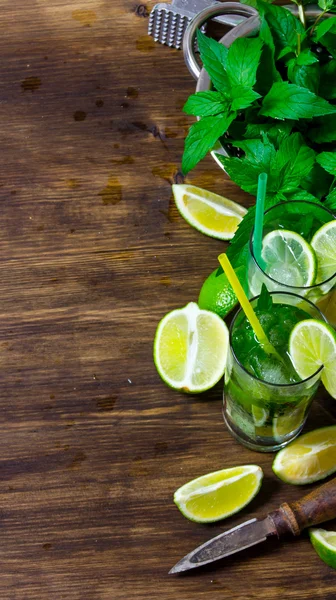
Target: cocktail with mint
pixel 266 400
pixel 298 254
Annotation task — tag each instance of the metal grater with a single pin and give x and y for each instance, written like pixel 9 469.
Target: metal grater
pixel 168 22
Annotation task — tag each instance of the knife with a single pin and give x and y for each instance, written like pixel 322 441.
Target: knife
pixel 315 508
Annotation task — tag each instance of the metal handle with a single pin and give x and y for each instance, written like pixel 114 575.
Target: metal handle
pixel 227 8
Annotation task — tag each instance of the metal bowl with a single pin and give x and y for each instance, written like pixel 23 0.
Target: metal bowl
pixel 249 25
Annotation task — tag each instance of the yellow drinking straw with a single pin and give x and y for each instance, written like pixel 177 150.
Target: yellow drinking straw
pixel 246 306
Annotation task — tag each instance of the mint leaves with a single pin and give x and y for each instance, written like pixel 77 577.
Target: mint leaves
pixel 288 101
pixel 271 106
pixel 202 137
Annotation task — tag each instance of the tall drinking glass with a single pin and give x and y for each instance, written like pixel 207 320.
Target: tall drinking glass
pixel 303 218
pixel 265 401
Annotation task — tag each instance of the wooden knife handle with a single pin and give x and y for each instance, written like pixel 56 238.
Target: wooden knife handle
pixel 314 508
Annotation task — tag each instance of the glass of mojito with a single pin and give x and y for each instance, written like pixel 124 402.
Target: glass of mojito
pixel 298 254
pixel 265 401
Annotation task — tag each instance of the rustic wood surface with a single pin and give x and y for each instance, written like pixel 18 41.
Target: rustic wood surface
pixel 93 254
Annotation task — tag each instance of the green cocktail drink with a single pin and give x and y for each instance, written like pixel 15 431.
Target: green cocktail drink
pixel 265 401
pixel 299 254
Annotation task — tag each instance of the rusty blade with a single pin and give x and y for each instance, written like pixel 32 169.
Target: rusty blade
pixel 243 536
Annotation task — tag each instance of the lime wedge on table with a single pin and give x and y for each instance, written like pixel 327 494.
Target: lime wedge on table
pixel 324 244
pixel 312 343
pixel 310 457
pixel 290 259
pixel 220 494
pixel 211 214
pixel 324 543
pixel 190 348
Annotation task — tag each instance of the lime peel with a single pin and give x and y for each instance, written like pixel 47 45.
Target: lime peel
pixel 219 494
pixel 324 542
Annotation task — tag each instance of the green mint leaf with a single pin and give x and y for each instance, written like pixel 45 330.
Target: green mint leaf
pixel 265 301
pixel 289 101
pixel 204 104
pixel 302 195
pixel 214 57
pixel 285 52
pixel 202 137
pixel 327 87
pixel 293 161
pixel 242 97
pixel 242 61
pixel 267 73
pixel 306 57
pixel 330 201
pixel 241 238
pixel 325 4
pixel 324 27
pixel 275 132
pixel 305 76
pixel 323 130
pixel 327 160
pixel 243 173
pixel 284 26
pixel 259 153
pixel 317 182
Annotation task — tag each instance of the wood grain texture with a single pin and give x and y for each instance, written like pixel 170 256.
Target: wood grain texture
pixel 93 254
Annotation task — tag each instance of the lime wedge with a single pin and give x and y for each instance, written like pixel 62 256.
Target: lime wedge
pixel 220 494
pixel 324 244
pixel 324 543
pixel 310 457
pixel 289 422
pixel 190 348
pixel 312 343
pixel 289 258
pixel 260 415
pixel 211 214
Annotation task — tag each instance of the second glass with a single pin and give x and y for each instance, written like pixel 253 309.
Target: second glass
pixel 295 217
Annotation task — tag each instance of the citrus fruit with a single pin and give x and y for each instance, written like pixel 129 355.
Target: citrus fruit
pixel 324 543
pixel 217 294
pixel 220 494
pixel 289 258
pixel 259 414
pixel 190 348
pixel 210 213
pixel 310 457
pixel 324 244
pixel 288 423
pixel 312 344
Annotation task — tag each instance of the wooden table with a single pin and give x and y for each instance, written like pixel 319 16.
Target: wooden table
pixel 93 254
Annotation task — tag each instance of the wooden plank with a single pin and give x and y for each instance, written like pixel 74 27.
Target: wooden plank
pixel 93 254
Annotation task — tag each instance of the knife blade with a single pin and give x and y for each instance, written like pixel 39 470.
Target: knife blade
pixel 312 509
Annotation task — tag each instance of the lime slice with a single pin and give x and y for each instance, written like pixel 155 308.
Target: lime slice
pixel 260 415
pixel 289 258
pixel 211 214
pixel 288 423
pixel 190 348
pixel 312 343
pixel 324 244
pixel 324 543
pixel 220 494
pixel 310 457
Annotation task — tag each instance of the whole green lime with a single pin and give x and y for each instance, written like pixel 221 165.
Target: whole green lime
pixel 217 294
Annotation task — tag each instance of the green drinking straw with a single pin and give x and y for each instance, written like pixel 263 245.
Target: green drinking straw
pixel 259 220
